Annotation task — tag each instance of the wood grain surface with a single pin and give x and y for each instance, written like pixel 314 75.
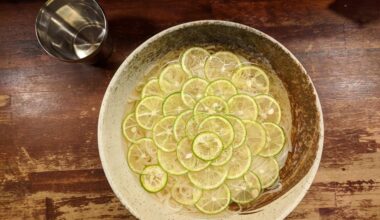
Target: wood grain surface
pixel 49 163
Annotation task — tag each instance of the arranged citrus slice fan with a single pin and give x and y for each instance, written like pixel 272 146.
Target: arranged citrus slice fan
pixel 206 132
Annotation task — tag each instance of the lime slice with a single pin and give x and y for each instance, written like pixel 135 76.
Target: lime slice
pixel 242 191
pixel 172 78
pixel 243 106
pixel 173 105
pixel 187 158
pixel 193 90
pixel 252 180
pixel 224 157
pixel 251 80
pixel 131 130
pixel 151 88
pixel 209 178
pixel 269 109
pixel 221 126
pixel 153 178
pixel 239 163
pixel 180 124
pixel 266 168
pixel 275 140
pixel 169 162
pixel 141 154
pixel 185 193
pixel 221 65
pixel 214 201
pixel 210 105
pixel 192 127
pixel 256 136
pixel 207 146
pixel 221 88
pixel 193 61
pixel 148 111
pixel 240 132
pixel 163 135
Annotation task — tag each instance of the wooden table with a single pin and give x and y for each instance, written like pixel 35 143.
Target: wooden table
pixel 49 163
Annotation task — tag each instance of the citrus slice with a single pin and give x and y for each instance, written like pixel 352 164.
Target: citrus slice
pixel 251 80
pixel 185 193
pixel 131 130
pixel 220 126
pixel 192 127
pixel 148 111
pixel 256 136
pixel 153 178
pixel 172 78
pixel 269 109
pixel 214 201
pixel 193 90
pixel 275 140
pixel 141 154
pixel 242 191
pixel 224 157
pixel 243 106
pixel 252 180
pixel 266 168
pixel 207 146
pixel 151 88
pixel 240 131
pixel 193 61
pixel 210 105
pixel 221 65
pixel 163 135
pixel 239 163
pixel 169 162
pixel 180 124
pixel 173 105
pixel 187 158
pixel 221 88
pixel 209 178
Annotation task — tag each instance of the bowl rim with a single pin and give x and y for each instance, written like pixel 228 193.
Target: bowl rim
pixel 310 174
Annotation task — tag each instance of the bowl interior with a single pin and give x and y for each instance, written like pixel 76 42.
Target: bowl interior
pixel 307 125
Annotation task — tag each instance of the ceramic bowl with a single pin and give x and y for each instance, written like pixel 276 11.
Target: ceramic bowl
pixel 307 127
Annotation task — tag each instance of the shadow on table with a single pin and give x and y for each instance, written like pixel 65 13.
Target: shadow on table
pixel 361 12
pixel 127 33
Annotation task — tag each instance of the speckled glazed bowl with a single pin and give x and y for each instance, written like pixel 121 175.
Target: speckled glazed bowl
pixel 306 135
